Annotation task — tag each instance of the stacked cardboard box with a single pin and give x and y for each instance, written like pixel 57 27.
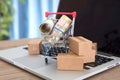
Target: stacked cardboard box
pixel 34 46
pixel 81 51
pixel 69 61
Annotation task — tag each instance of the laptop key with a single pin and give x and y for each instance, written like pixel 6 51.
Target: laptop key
pixel 98 61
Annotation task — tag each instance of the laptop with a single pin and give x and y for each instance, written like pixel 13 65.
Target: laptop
pixel 35 64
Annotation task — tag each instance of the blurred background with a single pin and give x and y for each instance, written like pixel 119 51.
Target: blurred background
pixel 21 18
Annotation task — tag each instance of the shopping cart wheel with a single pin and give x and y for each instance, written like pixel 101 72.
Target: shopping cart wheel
pixel 46 60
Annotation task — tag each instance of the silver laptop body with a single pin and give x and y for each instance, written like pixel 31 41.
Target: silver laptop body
pixel 35 64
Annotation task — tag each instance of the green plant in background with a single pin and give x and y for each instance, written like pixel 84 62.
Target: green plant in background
pixel 6 17
pixel 6 12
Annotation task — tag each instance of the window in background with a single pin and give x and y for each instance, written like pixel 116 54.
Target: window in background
pixel 28 16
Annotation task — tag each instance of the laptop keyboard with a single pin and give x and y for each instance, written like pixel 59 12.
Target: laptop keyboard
pixel 99 60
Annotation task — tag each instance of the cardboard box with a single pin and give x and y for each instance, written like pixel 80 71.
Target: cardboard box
pixel 80 45
pixel 90 57
pixel 34 46
pixel 69 61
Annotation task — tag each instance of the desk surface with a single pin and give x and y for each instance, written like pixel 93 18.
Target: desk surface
pixel 10 72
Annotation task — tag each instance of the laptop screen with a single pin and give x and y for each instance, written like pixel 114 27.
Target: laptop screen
pixel 97 20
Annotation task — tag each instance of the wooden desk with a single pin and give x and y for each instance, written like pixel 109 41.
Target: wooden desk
pixel 10 72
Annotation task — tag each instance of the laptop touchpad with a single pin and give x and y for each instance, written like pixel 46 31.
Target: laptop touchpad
pixel 34 61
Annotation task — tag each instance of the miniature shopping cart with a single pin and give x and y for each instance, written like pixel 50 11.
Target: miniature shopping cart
pixel 62 45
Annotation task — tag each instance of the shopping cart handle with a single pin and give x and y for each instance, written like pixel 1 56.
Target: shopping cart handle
pixel 62 13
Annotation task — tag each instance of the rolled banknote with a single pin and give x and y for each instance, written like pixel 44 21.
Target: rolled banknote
pixel 47 26
pixel 60 28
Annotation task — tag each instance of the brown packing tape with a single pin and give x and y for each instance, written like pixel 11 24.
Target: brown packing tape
pixel 69 61
pixel 34 46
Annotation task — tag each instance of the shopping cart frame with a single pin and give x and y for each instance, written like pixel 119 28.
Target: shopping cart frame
pixel 73 14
